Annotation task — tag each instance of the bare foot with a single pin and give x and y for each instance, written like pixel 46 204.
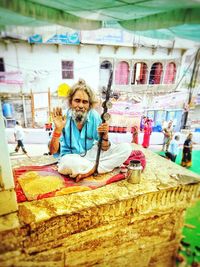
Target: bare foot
pixel 82 176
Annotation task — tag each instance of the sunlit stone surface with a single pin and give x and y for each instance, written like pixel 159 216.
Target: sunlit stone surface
pixel 120 224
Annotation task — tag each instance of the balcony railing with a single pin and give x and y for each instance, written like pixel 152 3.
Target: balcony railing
pixel 148 88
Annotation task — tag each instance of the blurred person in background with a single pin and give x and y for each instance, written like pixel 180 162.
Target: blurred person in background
pixel 187 152
pixel 168 133
pixel 142 122
pixel 135 134
pixel 19 136
pixel 173 149
pixel 147 132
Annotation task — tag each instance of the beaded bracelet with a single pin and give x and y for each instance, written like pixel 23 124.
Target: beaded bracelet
pixel 57 135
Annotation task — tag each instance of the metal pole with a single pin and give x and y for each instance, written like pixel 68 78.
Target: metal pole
pixel 24 109
pixel 192 86
pixel 21 89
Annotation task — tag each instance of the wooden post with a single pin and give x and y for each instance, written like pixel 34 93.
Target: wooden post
pixel 49 102
pixel 32 110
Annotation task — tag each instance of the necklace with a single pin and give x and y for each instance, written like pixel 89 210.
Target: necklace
pixel 70 138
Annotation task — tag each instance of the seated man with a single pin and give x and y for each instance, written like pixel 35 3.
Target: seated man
pixel 77 135
pixel 173 149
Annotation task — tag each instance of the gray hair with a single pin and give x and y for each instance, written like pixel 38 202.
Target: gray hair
pixel 81 85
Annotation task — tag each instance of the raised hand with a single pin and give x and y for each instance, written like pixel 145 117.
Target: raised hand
pixel 59 119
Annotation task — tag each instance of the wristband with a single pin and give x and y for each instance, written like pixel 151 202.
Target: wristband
pixel 105 139
pixel 57 135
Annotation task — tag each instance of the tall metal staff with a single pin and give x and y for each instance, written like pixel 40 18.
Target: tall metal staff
pixel 105 116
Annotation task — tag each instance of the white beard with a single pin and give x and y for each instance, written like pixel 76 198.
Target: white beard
pixel 79 116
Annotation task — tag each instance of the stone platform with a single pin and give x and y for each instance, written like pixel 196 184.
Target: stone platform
pixel 120 224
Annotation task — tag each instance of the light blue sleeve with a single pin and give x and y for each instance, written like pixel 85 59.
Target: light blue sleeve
pixel 97 122
pixel 63 146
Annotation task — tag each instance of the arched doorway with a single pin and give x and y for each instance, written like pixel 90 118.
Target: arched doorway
pixel 105 68
pixel 122 73
pixel 170 73
pixel 156 73
pixel 139 73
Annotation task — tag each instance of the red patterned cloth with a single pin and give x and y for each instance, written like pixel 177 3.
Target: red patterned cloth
pixel 137 155
pixel 68 184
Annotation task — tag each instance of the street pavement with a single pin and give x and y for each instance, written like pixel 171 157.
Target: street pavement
pixel 41 149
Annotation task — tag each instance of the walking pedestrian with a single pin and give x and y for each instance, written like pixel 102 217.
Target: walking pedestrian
pixel 19 136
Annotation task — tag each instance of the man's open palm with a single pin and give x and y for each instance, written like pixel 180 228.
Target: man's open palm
pixel 58 118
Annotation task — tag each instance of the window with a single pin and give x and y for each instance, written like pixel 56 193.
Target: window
pixel 139 73
pixel 122 73
pixel 2 68
pixel 170 73
pixel 67 69
pixel 156 73
pixel 105 68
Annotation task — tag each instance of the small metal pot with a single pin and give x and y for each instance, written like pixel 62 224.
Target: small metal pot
pixel 134 172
